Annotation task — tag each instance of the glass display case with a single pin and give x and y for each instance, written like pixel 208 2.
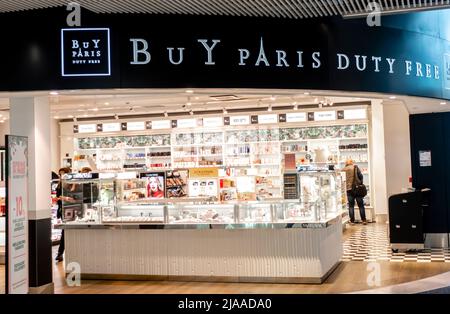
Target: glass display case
pixel 320 194
pixel 85 196
pixel 91 200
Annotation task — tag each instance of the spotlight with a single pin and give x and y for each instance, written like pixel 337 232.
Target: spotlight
pixel 269 109
pixel 191 112
pixel 166 114
pixel 225 111
pixel 116 117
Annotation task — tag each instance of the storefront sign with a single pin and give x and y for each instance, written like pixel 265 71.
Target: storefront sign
pixel 240 120
pixel 447 71
pixel 87 128
pixel 325 116
pixel 425 158
pixel 85 52
pixel 111 127
pixel 204 172
pixel 135 126
pixel 267 118
pixel 212 122
pixel 160 124
pixel 355 114
pixel 17 215
pixel 296 117
pixel 187 123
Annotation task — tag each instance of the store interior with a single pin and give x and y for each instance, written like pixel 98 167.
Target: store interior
pixel 224 156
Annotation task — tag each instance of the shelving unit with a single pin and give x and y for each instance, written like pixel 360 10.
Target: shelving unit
pixel 256 151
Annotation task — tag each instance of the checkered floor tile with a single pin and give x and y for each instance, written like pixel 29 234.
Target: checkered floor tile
pixel 370 243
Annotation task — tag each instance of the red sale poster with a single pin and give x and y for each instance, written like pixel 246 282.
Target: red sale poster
pixel 17 215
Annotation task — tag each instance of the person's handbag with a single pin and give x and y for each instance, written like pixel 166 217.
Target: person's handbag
pixel 358 188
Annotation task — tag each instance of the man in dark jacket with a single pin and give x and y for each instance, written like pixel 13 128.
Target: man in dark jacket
pixel 349 170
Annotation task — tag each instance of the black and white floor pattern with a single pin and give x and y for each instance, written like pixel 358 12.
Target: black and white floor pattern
pixel 370 243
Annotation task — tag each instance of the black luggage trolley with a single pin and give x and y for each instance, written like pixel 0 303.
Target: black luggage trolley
pixel 406 220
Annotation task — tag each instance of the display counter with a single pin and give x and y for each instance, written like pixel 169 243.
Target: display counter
pixel 297 240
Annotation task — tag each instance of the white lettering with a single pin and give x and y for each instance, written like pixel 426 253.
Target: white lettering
pixel 408 67
pixel 180 54
pixel 209 49
pixel 300 59
pixel 419 69
pixel 262 55
pixel 244 54
pixel 137 51
pixel 428 70
pixel 436 72
pixel 281 57
pixel 377 63
pixel 75 44
pixel 96 41
pixel 347 61
pixel 391 64
pixel 364 65
pixel 316 63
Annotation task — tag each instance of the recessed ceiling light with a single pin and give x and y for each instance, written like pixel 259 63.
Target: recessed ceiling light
pixel 2 121
pixel 188 104
pixel 443 103
pixel 82 105
pixel 106 103
pixel 306 93
pixel 85 115
pixel 190 91
pixel 273 98
pixel 54 93
pixel 95 109
pixel 1 115
pixel 197 98
pixel 56 117
pixel 70 117
pixel 393 97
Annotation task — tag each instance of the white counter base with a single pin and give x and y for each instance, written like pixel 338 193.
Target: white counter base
pixel 298 255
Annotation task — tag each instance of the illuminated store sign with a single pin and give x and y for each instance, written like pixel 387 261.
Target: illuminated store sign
pixel 267 118
pixel 296 117
pixel 212 122
pixel 325 116
pixel 111 127
pixel 187 123
pixel 85 52
pixel 240 120
pixel 87 128
pixel 135 126
pixel 355 114
pixel 160 124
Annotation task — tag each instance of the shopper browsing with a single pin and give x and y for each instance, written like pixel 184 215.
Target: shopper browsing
pixel 59 213
pixel 354 179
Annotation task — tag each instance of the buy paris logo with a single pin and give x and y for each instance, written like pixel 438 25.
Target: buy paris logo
pixel 85 52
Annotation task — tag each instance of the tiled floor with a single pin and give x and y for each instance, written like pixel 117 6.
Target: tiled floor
pixel 370 243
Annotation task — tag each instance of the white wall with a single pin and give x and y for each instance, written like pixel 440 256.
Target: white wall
pixel 378 164
pixel 55 146
pixel 397 147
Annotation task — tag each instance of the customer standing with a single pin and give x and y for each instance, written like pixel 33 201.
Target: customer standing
pixel 350 170
pixel 59 213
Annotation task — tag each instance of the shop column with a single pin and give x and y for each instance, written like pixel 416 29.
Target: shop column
pixel 30 116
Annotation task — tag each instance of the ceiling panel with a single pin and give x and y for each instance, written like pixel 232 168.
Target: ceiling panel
pixel 290 9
